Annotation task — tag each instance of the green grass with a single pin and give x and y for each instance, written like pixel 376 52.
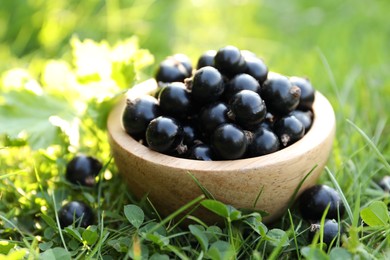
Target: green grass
pixel 341 46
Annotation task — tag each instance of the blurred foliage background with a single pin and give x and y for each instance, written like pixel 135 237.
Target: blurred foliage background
pixel 343 47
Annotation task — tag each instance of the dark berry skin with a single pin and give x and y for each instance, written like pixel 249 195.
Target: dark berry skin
pixel 247 108
pixel 229 142
pixel 229 61
pixel 202 152
pixel 256 68
pixel 263 142
pixel 185 61
pixel 331 228
pixel 164 135
pixel 82 170
pixel 175 100
pixel 190 134
pixel 241 82
pixel 314 200
pixel 213 115
pixel 76 212
pixel 289 130
pixel 306 118
pixel 280 96
pixel 307 92
pixel 207 85
pixel 137 115
pixel 206 59
pixel 384 183
pixel 171 70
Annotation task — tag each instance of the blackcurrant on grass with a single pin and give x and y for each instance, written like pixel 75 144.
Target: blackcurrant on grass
pixel 171 70
pixel 213 115
pixel 263 141
pixel 185 61
pixel 82 170
pixel 314 200
pixel 307 92
pixel 279 94
pixel 77 213
pixel 207 85
pixel 202 152
pixel 306 118
pixel 165 135
pixel 256 68
pixel 331 231
pixel 138 113
pixel 247 108
pixel 384 183
pixel 289 130
pixel 175 100
pixel 229 61
pixel 206 59
pixel 229 142
pixel 241 82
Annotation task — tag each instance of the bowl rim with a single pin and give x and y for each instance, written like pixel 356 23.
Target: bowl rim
pixel 318 133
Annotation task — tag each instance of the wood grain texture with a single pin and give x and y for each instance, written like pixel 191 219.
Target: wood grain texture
pixel 169 186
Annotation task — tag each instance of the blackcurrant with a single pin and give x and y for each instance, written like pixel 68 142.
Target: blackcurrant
pixel 384 183
pixel 279 94
pixel 229 142
pixel 207 85
pixel 256 68
pixel 165 135
pixel 331 231
pixel 314 200
pixel 171 70
pixel 175 100
pixel 289 130
pixel 213 115
pixel 241 82
pixel 138 113
pixel 190 134
pixel 206 59
pixel 202 152
pixel 229 61
pixel 83 170
pixel 263 142
pixel 77 213
pixel 247 108
pixel 306 118
pixel 185 61
pixel 307 92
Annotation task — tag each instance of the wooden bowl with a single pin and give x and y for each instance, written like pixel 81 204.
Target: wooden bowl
pixel 168 185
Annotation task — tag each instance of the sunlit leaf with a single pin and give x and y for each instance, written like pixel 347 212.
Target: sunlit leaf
pixel 376 214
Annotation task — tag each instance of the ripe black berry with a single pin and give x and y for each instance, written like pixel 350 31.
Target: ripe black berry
pixel 307 92
pixel 289 130
pixel 384 183
pixel 212 116
pixel 263 141
pixel 206 59
pixel 241 82
pixel 76 212
pixel 171 70
pixel 185 61
pixel 202 152
pixel 207 85
pixel 315 200
pixel 190 134
pixel 229 61
pixel 137 115
pixel 247 108
pixel 164 135
pixel 83 170
pixel 229 142
pixel 280 96
pixel 305 117
pixel 175 100
pixel 256 68
pixel 332 231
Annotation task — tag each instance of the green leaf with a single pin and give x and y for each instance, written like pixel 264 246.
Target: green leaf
pixel 199 233
pixel 46 245
pixel 40 116
pixel 90 236
pixel 277 237
pixel 157 256
pixel 49 221
pixel 314 253
pixel 73 232
pixel 5 247
pixel 220 250
pixel 339 253
pixel 376 214
pixel 57 253
pixel 134 215
pixel 157 239
pixel 219 208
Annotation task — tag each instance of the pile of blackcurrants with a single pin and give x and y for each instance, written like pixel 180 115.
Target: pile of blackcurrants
pixel 229 107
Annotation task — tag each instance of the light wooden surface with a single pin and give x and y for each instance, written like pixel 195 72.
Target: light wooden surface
pixel 166 181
